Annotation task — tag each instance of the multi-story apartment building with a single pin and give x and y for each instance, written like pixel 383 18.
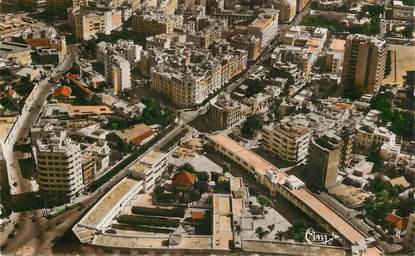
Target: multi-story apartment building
pixel 288 10
pixel 324 161
pixel 88 23
pixel 149 169
pixel 265 27
pixel 153 22
pixel 288 139
pixel 88 168
pixel 403 12
pixel 59 166
pixel 347 134
pixel 119 73
pixel 409 240
pixel 368 134
pixel 364 62
pixel 301 46
pixel 251 44
pixel 233 16
pixel 334 56
pixel 124 48
pixel 206 32
pixel 225 113
pixel 187 77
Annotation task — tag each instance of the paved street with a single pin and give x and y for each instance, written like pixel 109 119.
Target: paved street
pixel 25 230
pixel 36 236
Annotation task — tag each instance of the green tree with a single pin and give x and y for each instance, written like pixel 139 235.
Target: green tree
pixel 24 87
pixel 264 201
pixel 186 167
pixel 374 157
pixel 408 32
pixel 254 87
pixel 251 125
pixel 6 75
pixel 194 195
pixel 202 176
pixel 153 113
pixel 403 124
pixel 406 205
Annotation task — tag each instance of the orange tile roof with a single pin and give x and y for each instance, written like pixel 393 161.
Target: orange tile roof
pixel 10 92
pixel 372 251
pixel 399 222
pixel 38 42
pixel 63 91
pixel 74 78
pixel 313 42
pixel 184 179
pixel 338 44
pixel 343 105
pixel 198 215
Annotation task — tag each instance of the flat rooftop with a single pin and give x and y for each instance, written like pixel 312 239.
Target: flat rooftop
pixel 136 133
pixel 222 223
pixel 260 164
pixel 108 202
pixel 302 194
pixel 153 242
pixel 152 157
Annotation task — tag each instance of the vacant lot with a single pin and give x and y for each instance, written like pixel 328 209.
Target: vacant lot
pixel 402 60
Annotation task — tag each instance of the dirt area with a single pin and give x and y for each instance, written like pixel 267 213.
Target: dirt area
pixel 402 60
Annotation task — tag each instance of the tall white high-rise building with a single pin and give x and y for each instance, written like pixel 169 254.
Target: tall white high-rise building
pixel 119 74
pixel 59 166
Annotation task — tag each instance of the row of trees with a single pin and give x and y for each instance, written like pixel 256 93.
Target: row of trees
pixel 386 199
pixel 402 122
pixel 371 28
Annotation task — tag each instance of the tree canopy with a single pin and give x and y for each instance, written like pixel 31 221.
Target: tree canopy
pixel 251 125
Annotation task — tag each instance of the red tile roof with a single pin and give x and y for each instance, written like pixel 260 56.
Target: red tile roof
pixel 399 222
pixel 63 91
pixel 38 42
pixel 10 92
pixel 198 215
pixel 184 179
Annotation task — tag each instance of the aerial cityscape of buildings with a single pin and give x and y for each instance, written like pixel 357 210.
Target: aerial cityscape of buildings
pixel 207 127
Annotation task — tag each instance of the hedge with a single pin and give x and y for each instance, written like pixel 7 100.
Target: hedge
pixel 142 228
pixel 175 212
pixel 148 221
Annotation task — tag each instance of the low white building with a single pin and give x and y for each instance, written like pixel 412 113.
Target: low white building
pixel 368 134
pixel 390 152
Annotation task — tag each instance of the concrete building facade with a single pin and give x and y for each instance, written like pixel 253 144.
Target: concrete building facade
pixel 324 161
pixel 364 62
pixel 225 113
pixel 287 139
pixel 59 166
